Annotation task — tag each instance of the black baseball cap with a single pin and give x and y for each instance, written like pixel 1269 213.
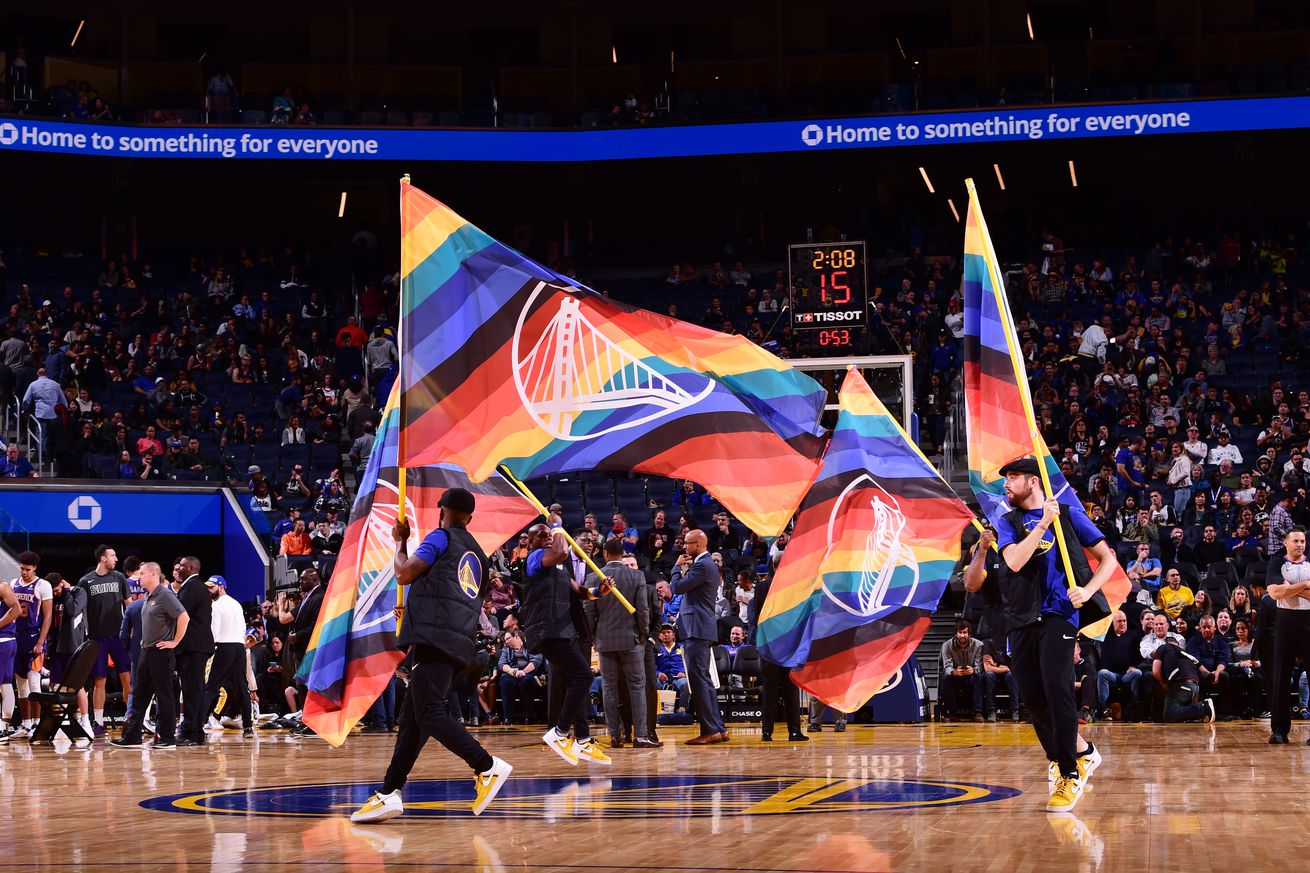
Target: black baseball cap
pixel 1026 466
pixel 458 499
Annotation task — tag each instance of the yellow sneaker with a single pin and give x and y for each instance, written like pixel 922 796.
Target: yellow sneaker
pixel 1052 774
pixel 588 751
pixel 1067 791
pixel 488 784
pixel 1087 765
pixel 379 807
pixel 562 745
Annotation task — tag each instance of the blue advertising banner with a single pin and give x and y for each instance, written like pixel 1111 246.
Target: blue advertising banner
pixel 991 125
pixel 105 512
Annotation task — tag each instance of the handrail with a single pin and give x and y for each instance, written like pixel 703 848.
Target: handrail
pixel 955 438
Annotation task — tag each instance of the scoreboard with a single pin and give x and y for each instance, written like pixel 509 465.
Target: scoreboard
pixel 829 288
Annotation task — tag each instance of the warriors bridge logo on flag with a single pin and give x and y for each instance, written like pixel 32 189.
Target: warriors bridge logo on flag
pixel 871 554
pixel 353 651
pixel 506 361
pixel 998 408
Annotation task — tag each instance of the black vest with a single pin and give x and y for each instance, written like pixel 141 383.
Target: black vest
pixel 546 613
pixel 442 605
pixel 1023 590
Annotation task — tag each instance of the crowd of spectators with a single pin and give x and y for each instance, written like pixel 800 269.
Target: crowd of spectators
pixel 1169 382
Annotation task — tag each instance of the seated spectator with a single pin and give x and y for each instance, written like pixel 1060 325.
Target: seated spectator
pixel 15 465
pixel 1148 569
pixel 502 596
pixel 1085 680
pixel 670 669
pixel 961 673
pixel 1199 608
pixel 1174 597
pixel 293 434
pixel 287 524
pixel 150 441
pixel 1177 674
pixel 296 542
pixel 323 541
pixel 1142 530
pixel 518 671
pixel 152 467
pixel 260 498
pixel 296 487
pixel 1159 634
pixel 1210 549
pixel 126 469
pixel 1120 655
pixel 1247 672
pixel 193 458
pixel 1213 655
pixel 997 671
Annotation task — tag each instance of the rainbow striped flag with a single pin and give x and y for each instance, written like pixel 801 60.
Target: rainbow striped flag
pixel 353 652
pixel 506 361
pixel 998 407
pixel 870 556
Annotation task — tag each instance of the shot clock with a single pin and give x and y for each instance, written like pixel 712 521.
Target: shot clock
pixel 829 294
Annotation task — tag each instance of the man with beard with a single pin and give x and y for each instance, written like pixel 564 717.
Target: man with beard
pixel 1042 612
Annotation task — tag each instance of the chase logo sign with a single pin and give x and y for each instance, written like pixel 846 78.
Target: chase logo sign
pixel 84 512
pixel 812 135
pixel 556 798
pixel 8 133
pixel 470 575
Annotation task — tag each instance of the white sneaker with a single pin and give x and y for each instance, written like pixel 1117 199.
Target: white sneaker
pixel 488 784
pixel 228 722
pixel 22 732
pixel 5 735
pixel 212 726
pixel 379 807
pixel 561 744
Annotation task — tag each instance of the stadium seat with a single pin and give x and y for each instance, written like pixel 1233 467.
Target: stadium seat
pixel 748 665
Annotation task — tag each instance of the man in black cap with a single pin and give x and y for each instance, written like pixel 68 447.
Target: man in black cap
pixel 448 578
pixel 1041 612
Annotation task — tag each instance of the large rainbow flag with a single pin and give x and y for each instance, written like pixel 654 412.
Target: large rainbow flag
pixel 1000 426
pixel 870 556
pixel 506 361
pixel 353 651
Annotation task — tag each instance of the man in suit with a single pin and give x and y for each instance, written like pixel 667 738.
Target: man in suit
pixel 194 651
pixel 776 681
pixel 697 578
pixel 621 645
pixel 302 625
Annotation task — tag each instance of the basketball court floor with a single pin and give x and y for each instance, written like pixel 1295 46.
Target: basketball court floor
pixel 887 798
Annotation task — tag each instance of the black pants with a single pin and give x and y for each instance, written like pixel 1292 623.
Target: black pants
pixel 424 714
pixel 1043 666
pixel 154 678
pixel 1291 638
pixel 776 681
pixel 191 676
pixel 570 672
pixel 229 672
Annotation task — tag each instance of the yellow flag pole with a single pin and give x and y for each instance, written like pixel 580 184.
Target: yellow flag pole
pixel 532 498
pixel 1020 374
pixel 400 368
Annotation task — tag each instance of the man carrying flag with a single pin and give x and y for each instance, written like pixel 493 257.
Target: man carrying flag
pixel 448 575
pixel 1042 613
pixel 1058 577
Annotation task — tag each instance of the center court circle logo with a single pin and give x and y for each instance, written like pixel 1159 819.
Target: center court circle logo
pixel 812 134
pixel 470 575
pixel 622 797
pixel 84 512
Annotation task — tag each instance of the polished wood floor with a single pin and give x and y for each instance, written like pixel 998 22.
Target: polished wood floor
pixel 887 798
